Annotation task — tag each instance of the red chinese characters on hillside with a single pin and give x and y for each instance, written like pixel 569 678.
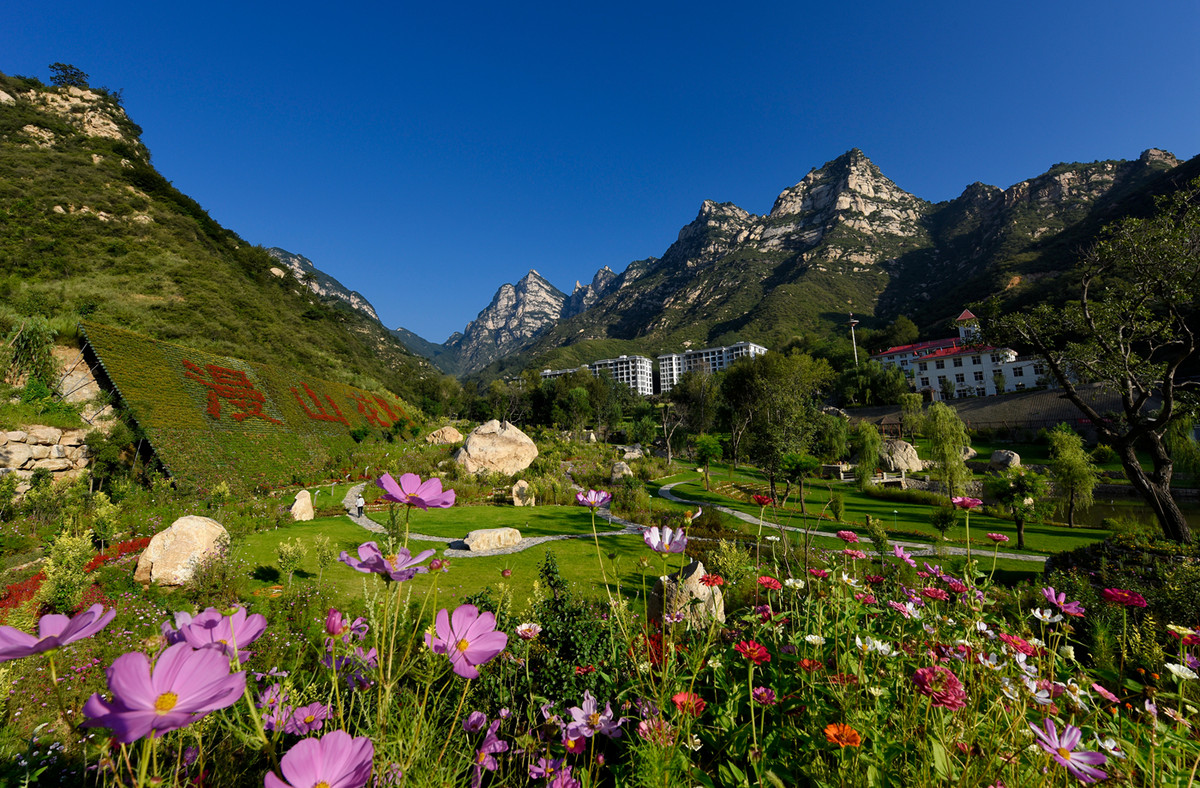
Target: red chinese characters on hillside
pixel 366 406
pixel 231 386
pixel 320 413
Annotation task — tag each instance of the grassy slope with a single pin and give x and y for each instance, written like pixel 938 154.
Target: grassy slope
pixel 157 263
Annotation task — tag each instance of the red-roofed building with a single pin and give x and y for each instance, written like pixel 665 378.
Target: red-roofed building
pixel 963 365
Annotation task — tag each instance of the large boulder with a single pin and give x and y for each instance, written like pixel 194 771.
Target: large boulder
pixel 45 436
pixel 173 554
pixel 444 437
pixel 1003 459
pixel 899 456
pixel 968 453
pixel 682 592
pixel 633 452
pixel 522 494
pixel 497 447
pixel 302 509
pixel 492 539
pixel 620 470
pixel 16 455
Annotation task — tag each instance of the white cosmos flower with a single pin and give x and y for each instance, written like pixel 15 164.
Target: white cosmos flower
pixel 1009 689
pixel 1024 666
pixel 794 582
pixel 1040 696
pixel 991 661
pixel 1046 616
pixel 1110 746
pixel 1067 653
pixel 850 581
pixel 1036 642
pixel 1181 671
pixel 815 640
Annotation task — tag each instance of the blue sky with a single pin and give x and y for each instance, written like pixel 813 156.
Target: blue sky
pixel 425 155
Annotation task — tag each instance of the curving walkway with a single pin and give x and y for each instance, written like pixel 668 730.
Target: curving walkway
pixel 918 549
pixel 603 512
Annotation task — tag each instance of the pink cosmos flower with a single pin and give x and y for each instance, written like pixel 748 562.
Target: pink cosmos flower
pixel 900 553
pixel 411 491
pixel 941 686
pixel 1123 597
pixel 528 631
pixel 587 720
pixel 1082 765
pixel 214 629
pixel 54 632
pixel 963 502
pixel 849 537
pixel 1108 696
pixel 484 756
pixel 1019 645
pixel 467 637
pixel 474 722
pixel 335 760
pixel 306 719
pixel 689 703
pixel 854 555
pixel 819 573
pixel 957 586
pixel 184 685
pixel 592 498
pixel 769 583
pixel 664 540
pixel 339 626
pixel 998 538
pixel 1060 601
pixel 399 567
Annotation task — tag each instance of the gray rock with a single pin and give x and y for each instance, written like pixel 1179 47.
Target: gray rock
pixel 968 453
pixel 54 465
pixel 492 539
pixel 16 436
pixel 899 456
pixel 302 509
pixel 16 455
pixel 683 592
pixel 1003 458
pixel 39 451
pixel 73 438
pixel 173 554
pixel 620 470
pixel 444 437
pixel 634 452
pixel 522 494
pixel 497 447
pixel 44 436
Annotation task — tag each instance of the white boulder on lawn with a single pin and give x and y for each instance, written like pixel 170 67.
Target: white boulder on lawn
pixel 172 556
pixel 501 448
pixel 302 509
pixel 492 539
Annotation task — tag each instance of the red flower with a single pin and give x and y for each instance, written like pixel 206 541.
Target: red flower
pixel 583 670
pixel 1123 597
pixel 843 678
pixel 769 583
pixel 753 651
pixel 812 665
pixel 1019 644
pixel 935 593
pixel 763 500
pixel 821 573
pixel 712 580
pixel 957 586
pixel 941 686
pixel 873 579
pixel 689 703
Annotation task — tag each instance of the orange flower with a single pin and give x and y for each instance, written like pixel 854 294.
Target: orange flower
pixel 842 735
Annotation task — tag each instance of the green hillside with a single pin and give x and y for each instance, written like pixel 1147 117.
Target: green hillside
pixel 89 229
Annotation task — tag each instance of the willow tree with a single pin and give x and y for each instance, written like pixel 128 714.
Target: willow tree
pixel 947 438
pixel 1072 471
pixel 1133 331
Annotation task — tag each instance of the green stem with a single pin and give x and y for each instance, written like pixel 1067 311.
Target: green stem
pixel 461 700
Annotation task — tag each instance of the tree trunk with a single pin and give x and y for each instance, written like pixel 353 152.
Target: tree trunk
pixel 803 509
pixel 1071 510
pixel 1020 532
pixel 1155 488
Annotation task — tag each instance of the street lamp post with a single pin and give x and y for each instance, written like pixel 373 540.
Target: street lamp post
pixel 853 340
pixel 895 514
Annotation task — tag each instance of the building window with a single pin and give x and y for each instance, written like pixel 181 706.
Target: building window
pixel 922 366
pixel 958 362
pixel 981 392
pixel 925 382
pixel 976 360
pixel 960 378
pixel 979 376
pixel 1018 372
pixel 940 364
pixel 1038 369
pixel 995 358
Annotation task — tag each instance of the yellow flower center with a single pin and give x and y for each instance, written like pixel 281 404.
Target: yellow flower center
pixel 391 559
pixel 463 645
pixel 310 718
pixel 321 784
pixel 593 719
pixel 1065 753
pixel 166 702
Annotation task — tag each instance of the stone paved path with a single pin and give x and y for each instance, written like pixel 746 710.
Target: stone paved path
pixel 627 527
pixel 915 548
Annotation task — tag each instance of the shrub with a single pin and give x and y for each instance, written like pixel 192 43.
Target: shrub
pixel 290 555
pixel 65 581
pixel 837 506
pixel 943 518
pixel 219 579
pixel 1104 454
pixel 907 496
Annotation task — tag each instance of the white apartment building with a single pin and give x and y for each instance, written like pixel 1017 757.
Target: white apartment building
pixel 672 365
pixel 974 370
pixel 637 372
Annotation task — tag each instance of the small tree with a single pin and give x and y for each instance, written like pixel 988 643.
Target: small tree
pixel 30 353
pixel 947 386
pixel 1023 493
pixel 796 467
pixel 947 438
pixel 708 449
pixel 869 444
pixel 910 414
pixel 1072 470
pixel 64 75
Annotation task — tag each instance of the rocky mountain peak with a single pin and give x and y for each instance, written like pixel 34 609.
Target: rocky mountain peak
pixel 320 283
pixel 1157 155
pixel 516 316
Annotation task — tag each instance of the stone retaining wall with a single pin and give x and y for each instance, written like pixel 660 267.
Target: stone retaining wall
pixel 62 452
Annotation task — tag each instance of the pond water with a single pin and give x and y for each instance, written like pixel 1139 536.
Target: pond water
pixel 1129 507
